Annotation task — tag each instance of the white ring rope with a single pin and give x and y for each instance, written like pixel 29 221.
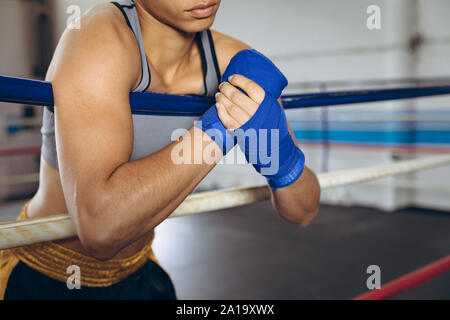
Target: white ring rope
pixel 19 233
pixel 416 185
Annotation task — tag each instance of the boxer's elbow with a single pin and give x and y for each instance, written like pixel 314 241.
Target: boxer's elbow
pixel 301 216
pixel 307 217
pixel 309 210
pixel 97 230
pixel 98 244
pixel 300 210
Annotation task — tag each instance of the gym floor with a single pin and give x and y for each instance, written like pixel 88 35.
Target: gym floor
pixel 249 252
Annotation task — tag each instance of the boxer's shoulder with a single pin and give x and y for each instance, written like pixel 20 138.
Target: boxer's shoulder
pixel 100 41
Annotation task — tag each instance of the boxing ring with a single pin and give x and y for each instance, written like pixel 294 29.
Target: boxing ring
pixel 38 93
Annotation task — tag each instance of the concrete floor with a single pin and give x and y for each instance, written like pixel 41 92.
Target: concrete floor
pixel 251 253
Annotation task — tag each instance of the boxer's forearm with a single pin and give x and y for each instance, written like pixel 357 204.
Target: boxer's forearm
pixel 298 202
pixel 141 194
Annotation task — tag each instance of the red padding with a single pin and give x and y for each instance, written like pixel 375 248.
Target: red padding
pixel 19 151
pixel 408 281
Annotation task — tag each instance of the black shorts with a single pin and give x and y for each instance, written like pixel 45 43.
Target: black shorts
pixel 150 282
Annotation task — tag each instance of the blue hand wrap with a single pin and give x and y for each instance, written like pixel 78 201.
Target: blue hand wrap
pixel 265 138
pixel 268 145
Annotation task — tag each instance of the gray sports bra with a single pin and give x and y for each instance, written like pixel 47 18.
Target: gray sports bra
pixel 151 133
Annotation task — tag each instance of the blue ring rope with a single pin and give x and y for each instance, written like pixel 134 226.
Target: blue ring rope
pixel 40 93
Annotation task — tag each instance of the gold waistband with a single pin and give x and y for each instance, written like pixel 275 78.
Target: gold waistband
pixel 53 260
